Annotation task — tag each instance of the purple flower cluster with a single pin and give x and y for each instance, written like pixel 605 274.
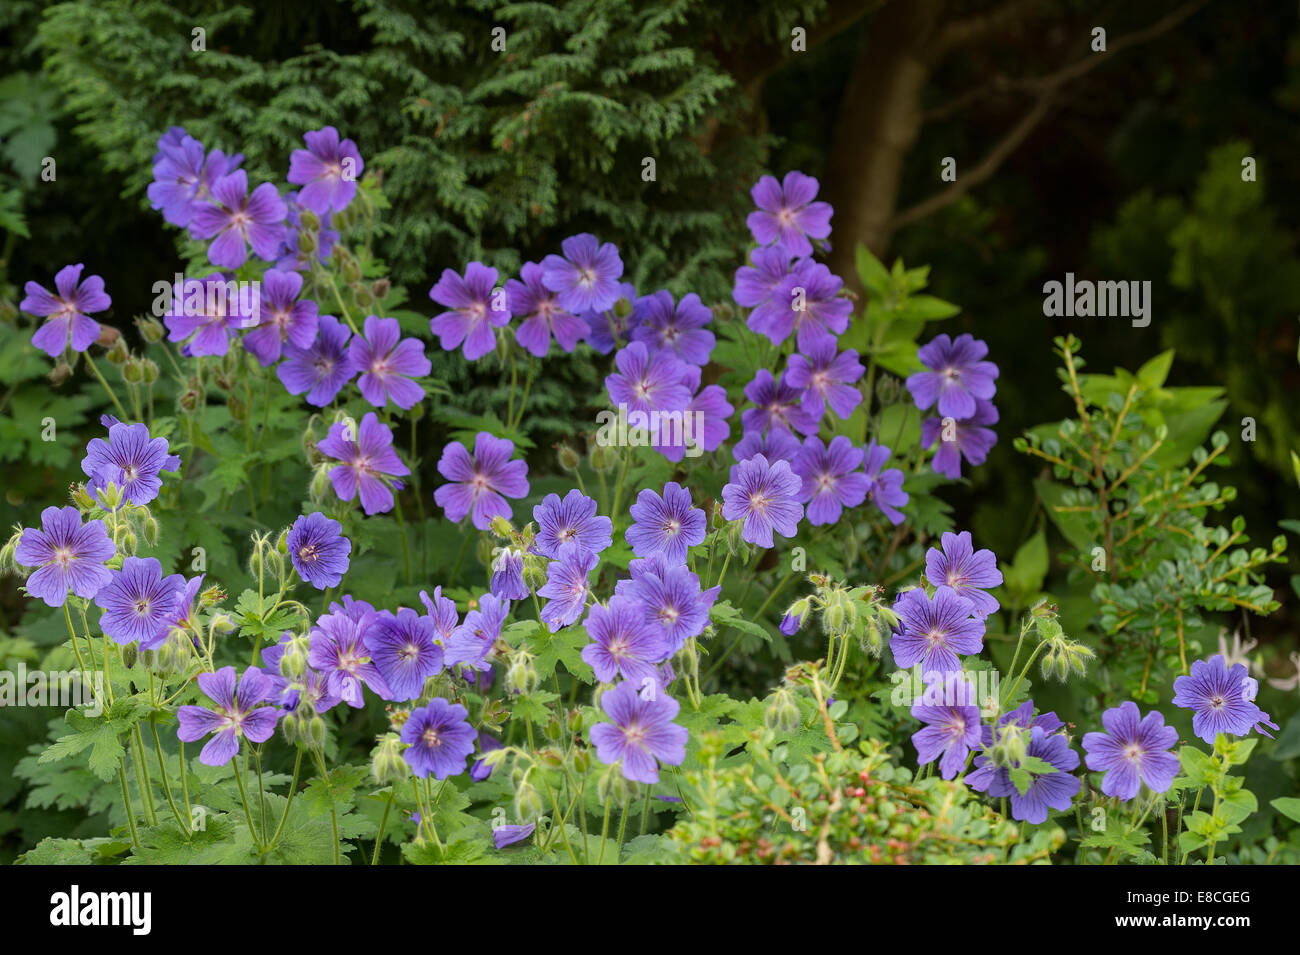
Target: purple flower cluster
pixel 960 385
pixel 933 630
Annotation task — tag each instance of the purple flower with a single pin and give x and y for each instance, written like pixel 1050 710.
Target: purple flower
pixel 1132 751
pixel 775 444
pixel 338 651
pixel 318 550
pixel 70 556
pixel 623 642
pixel 131 459
pixel 239 218
pixel 508 575
pixel 322 369
pixel 475 310
pixel 472 641
pixel 766 497
pixel 401 645
pixel 807 303
pixel 237 714
pixel 481 770
pixel 387 363
pixel 790 624
pixel 606 330
pixel 543 316
pixel 1053 790
pixel 67 314
pixel 441 739
pixel 178 175
pixel 967 438
pixel 666 525
pixel 367 459
pixel 956 377
pixel 571 521
pixel 965 570
pixel 787 214
pixel 586 278
pixel 832 478
pixel 886 489
pixel 709 411
pixel 646 383
pixel 953 731
pixel 503 836
pixel 1223 699
pixel 641 733
pixel 482 483
pixel 283 318
pixel 139 602
pixel 441 613
pixel 826 378
pixel 327 170
pixel 756 283
pixel 778 406
pixel 205 313
pixel 566 586
pixel 671 599
pixel 934 630
pixel 680 329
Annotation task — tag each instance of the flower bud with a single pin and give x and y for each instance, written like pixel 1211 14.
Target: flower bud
pixel 386 762
pixel 501 527
pixel 553 729
pixel 521 678
pixel 528 804
pixel 363 296
pixel 151 330
pixel 567 457
pixel 60 373
pixel 221 624
pixel 782 714
pixel 130 653
pixel 575 721
pixel 613 786
pixel 379 288
pixel 149 528
pixel 289 729
pixel 601 457
pixel 315 732
pixel 149 370
pixel 81 497
pixel 118 354
pixel 581 761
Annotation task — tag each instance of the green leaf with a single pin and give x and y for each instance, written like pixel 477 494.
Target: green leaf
pixel 1024 577
pixel 1200 769
pixel 1288 806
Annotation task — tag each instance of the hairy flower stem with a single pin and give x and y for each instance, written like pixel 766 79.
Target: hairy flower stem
pixel 284 816
pixel 383 823
pixel 126 801
pixel 167 786
pixel 243 798
pixel 334 815
pixel 94 370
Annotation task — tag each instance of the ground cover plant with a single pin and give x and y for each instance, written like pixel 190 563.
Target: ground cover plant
pixel 727 618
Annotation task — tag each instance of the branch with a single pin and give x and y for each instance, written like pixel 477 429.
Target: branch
pixel 980 26
pixel 1046 87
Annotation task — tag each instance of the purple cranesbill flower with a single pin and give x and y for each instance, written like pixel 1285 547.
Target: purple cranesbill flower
pixel 318 550
pixel 806 303
pixel 178 175
pixel 486 744
pixel 586 277
pixel 238 220
pixel 139 602
pixel 67 314
pixel 624 642
pixel 1132 751
pixel 508 575
pixel 956 377
pixel 968 438
pixel 327 170
pixel 322 369
pixel 337 650
pixel 542 314
pixel 215 165
pixel 185 615
pixel 1222 698
pixel 710 413
pixel 441 612
pixel 641 733
pixel 766 497
pixel 475 310
pixel 951 732
pixel 672 600
pixel 471 642
pixel 205 313
pixel 368 457
pixel 886 490
pixel 826 377
pixel 402 646
pixel 237 714
pixel 832 478
pixel 283 318
pixel 790 624
pixel 775 444
pixel 387 363
pixel 70 556
pixel 480 484
pixel 508 835
pixel 756 283
pixel 787 214
pixel 570 521
pixel 779 406
pixel 131 459
pixel 646 383
pixel 966 571
pixel 441 739
pixel 679 328
pixel 1055 790
pixel 666 525
pixel 933 630
pixel 566 586
pixel 606 329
